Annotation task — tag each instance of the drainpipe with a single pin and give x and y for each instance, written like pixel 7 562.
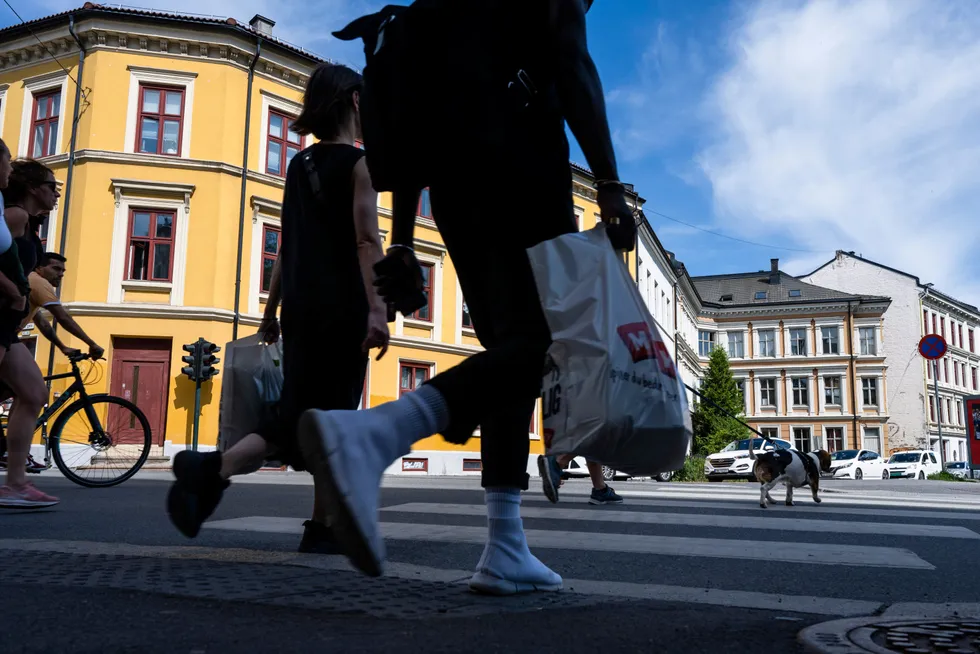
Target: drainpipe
pixel 241 215
pixel 62 243
pixel 850 345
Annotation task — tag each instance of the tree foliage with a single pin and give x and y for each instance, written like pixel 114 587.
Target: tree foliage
pixel 713 430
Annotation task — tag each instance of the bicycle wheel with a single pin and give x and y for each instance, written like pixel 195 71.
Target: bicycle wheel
pixel 97 458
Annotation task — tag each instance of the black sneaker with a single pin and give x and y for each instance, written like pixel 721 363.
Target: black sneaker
pixel 318 538
pixel 605 496
pixel 197 491
pixel 550 476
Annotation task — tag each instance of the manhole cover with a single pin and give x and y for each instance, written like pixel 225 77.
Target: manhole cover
pixel 884 636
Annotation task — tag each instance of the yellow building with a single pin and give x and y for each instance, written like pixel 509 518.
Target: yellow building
pixel 169 135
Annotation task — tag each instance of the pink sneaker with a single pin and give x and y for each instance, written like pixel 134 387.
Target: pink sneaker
pixel 25 497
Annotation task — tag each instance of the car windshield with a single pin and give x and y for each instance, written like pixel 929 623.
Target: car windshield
pixel 959 464
pixel 743 445
pixel 844 455
pixel 904 457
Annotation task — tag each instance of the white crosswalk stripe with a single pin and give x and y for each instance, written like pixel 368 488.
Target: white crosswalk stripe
pixel 687 524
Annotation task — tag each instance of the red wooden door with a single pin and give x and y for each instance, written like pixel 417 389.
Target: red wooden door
pixel 141 374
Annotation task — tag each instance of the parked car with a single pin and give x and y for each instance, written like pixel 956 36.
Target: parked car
pixel 577 469
pixel 733 462
pixel 958 469
pixel 858 464
pixel 917 464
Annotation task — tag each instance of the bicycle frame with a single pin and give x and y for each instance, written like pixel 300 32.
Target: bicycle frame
pixel 76 388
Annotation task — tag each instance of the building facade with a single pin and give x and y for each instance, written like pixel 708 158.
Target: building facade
pixel 809 360
pixel 917 309
pixel 170 152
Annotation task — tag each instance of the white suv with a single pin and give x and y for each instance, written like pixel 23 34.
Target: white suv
pixel 733 462
pixel 917 464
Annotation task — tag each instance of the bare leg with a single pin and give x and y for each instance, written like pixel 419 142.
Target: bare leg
pixel 19 371
pixel 243 455
pixel 595 472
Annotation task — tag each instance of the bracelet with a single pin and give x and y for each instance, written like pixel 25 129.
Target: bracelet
pixel 400 247
pixel 609 182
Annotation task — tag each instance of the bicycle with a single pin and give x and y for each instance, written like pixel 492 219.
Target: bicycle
pixel 131 432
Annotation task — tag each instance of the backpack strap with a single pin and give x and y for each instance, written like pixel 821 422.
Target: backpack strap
pixel 311 172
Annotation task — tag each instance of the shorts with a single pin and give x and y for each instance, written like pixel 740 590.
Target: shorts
pixel 10 321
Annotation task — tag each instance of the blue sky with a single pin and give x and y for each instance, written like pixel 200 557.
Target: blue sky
pixel 804 125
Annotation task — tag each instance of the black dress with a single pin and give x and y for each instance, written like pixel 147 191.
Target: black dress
pixel 324 306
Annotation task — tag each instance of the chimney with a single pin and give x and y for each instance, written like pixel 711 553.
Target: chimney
pixel 261 24
pixel 773 272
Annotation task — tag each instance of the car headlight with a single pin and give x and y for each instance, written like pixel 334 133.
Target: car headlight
pixel 846 465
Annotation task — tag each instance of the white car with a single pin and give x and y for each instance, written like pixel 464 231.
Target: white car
pixel 858 464
pixel 917 464
pixel 733 462
pixel 577 469
pixel 958 469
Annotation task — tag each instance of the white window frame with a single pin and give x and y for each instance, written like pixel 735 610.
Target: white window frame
pixel 713 342
pixel 860 340
pixel 864 434
pixel 34 86
pixel 840 388
pixel 142 75
pixel 740 334
pixel 806 340
pixel 281 105
pixel 840 340
pixel 792 387
pixel 775 385
pixel 877 403
pixel 814 438
pixel 775 351
pixel 3 105
pixel 146 195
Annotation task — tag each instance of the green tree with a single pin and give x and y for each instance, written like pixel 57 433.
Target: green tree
pixel 713 430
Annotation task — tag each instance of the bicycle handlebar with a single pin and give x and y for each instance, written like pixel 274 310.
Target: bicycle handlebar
pixel 81 356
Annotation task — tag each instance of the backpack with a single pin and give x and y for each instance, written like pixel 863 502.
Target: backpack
pixel 436 78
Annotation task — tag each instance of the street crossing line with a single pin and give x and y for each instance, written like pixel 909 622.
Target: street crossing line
pixel 829 606
pixel 702 520
pixel 811 553
pixel 805 505
pixel 839 500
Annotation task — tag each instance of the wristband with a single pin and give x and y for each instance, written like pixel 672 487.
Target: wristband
pixel 603 183
pixel 400 247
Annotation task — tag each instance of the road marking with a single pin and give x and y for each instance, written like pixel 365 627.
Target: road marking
pixel 803 505
pixel 813 553
pixel 933 502
pixel 830 606
pixel 701 520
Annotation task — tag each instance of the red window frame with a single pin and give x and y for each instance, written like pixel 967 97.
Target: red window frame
pixel 835 439
pixel 284 142
pixel 49 123
pixel 942 327
pixel 935 329
pixel 267 256
pixel 415 370
pixel 956 372
pixel 970 332
pixel 928 370
pixel 425 314
pixel 160 116
pixel 974 371
pixel 946 370
pixel 151 241
pixel 925 321
pixel 952 333
pixel 962 344
pixel 932 409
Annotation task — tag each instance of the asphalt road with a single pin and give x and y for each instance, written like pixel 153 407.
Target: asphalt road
pixel 677 568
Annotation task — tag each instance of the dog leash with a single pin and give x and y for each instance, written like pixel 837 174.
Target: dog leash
pixel 728 413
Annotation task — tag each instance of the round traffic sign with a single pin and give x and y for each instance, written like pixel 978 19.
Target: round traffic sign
pixel 933 346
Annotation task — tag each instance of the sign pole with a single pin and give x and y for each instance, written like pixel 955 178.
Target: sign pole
pixel 939 413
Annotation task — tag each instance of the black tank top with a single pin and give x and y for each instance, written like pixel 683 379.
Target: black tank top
pixel 322 286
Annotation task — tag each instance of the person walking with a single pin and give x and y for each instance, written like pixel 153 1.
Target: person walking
pixel 497 388
pixel 332 316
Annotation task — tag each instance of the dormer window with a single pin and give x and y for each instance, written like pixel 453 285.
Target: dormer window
pixel 795 293
pixel 726 298
pixel 761 295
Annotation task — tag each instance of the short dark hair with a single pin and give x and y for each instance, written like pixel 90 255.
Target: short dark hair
pixel 328 102
pixel 26 175
pixel 48 257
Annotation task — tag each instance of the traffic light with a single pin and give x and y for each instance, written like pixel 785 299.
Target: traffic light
pixel 193 361
pixel 208 360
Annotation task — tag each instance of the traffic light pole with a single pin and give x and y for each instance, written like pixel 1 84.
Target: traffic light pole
pixel 197 413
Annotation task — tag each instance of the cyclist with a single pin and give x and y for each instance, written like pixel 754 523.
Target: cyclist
pixel 30 195
pixel 43 281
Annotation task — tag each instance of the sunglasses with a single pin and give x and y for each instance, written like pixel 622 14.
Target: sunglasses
pixel 50 184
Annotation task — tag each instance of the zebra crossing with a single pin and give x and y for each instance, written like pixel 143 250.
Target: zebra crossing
pixel 710 545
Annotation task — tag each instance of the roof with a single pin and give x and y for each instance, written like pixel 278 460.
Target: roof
pixel 743 287
pixel 929 287
pixel 91 8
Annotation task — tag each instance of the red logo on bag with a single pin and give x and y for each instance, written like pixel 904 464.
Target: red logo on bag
pixel 642 345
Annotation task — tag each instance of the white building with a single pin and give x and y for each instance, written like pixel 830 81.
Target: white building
pixel 917 309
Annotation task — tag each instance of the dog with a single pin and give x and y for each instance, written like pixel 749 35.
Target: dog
pixel 790 467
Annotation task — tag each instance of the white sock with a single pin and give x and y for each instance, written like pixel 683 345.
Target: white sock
pixel 419 414
pixel 506 555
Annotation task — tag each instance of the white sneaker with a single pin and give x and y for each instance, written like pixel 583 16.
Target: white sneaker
pixel 349 451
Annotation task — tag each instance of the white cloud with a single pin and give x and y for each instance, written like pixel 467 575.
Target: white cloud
pixel 854 125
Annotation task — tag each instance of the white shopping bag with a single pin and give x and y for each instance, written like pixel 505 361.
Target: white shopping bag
pixel 610 392
pixel 250 390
